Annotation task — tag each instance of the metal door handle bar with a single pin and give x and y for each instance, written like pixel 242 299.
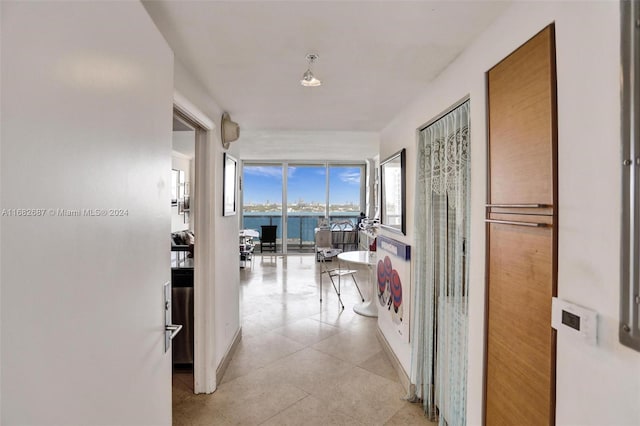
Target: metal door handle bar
pixel 174 328
pixel 519 206
pixel 512 222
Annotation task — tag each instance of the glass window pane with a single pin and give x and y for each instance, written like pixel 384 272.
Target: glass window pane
pixel 345 190
pixel 262 197
pixel 306 201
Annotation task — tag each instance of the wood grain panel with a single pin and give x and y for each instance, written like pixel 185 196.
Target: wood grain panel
pixel 520 340
pixel 521 260
pixel 522 115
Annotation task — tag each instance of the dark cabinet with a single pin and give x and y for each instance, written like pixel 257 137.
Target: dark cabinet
pixel 182 313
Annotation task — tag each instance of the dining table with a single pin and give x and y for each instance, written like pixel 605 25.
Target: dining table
pixel 367 308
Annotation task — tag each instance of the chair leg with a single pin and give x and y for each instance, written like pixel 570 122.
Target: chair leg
pixel 353 277
pixel 320 285
pixel 337 289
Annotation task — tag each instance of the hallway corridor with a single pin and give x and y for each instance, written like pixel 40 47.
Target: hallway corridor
pixel 300 362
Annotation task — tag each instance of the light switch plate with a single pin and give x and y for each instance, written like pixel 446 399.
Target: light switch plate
pixel 571 319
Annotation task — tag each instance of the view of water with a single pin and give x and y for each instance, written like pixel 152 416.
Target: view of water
pixel 301 226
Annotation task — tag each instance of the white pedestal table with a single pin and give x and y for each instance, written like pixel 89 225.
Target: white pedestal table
pixel 367 308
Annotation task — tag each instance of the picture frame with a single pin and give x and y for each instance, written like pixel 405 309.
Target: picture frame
pixel 184 205
pixel 393 209
pixel 181 182
pixel 179 186
pixel 229 188
pixel 175 174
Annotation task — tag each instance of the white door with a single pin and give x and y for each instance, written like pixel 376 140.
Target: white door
pixel 86 136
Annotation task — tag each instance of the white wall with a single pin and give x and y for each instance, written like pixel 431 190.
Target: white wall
pixel 86 124
pixel 226 259
pixel 595 385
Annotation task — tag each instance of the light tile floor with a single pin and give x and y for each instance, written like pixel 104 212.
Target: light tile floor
pixel 300 362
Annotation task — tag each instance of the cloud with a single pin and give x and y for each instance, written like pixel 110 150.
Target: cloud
pixel 266 171
pixel 350 177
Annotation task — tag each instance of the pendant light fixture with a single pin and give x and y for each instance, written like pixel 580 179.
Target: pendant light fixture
pixel 308 79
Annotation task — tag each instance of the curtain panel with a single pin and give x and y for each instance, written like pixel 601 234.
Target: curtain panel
pixel 440 320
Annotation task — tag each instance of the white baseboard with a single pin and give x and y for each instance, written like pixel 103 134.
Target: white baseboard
pixel 226 359
pixel 402 375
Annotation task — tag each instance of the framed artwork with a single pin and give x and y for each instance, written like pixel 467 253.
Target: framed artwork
pixel 174 186
pixel 184 205
pixel 230 178
pixel 179 187
pixel 392 193
pixel 393 273
pixel 181 182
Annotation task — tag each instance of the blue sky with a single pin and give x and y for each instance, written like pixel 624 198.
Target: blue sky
pixel 264 183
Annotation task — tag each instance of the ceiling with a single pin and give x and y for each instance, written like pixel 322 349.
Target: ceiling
pixel 180 126
pixel 375 56
pixel 184 142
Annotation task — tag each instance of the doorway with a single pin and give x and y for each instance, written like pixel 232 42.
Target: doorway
pixel 194 264
pixel 183 248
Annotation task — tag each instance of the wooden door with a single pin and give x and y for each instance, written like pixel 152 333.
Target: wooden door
pixel 522 126
pixel 520 340
pixel 522 236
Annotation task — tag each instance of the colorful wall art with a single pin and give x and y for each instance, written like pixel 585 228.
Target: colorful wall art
pixel 393 274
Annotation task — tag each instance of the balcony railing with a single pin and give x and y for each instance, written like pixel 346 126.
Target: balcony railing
pixel 300 227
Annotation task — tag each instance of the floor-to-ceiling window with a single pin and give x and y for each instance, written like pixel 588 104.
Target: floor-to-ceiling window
pixel 262 189
pixel 295 196
pixel 306 203
pixel 346 183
